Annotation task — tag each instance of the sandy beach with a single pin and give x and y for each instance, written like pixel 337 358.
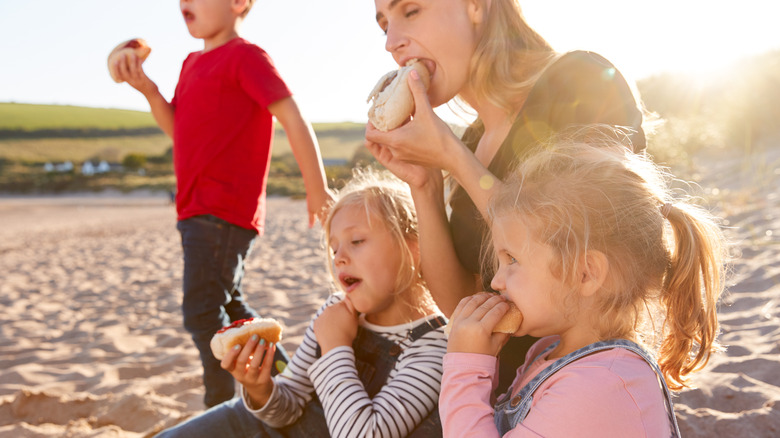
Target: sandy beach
pixel 91 339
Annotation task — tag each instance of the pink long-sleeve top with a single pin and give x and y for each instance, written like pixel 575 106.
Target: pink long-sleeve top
pixel 608 393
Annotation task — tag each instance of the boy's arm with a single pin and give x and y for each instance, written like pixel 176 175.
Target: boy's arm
pixel 132 72
pixel 307 154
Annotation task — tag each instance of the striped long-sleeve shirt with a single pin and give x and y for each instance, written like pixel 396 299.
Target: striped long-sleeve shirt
pixel 410 394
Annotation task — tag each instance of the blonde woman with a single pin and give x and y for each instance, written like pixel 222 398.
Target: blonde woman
pixel 483 53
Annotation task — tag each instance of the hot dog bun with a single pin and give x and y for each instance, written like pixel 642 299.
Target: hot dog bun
pixel 240 331
pixel 136 45
pixel 391 99
pixel 509 323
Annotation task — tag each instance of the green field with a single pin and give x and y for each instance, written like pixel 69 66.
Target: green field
pixel 31 135
pixel 30 117
pixel 41 133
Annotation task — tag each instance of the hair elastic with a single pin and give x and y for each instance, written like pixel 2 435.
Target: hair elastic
pixel 665 209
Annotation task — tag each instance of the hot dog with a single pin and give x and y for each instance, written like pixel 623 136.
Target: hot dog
pixel 391 99
pixel 509 323
pixel 136 45
pixel 239 332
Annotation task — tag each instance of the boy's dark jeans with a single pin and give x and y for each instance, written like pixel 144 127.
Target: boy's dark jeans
pixel 214 253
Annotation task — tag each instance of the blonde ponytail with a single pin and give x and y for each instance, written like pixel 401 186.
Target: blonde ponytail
pixel 692 286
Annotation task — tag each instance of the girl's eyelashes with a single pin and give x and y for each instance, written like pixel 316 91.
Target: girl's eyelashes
pixel 506 258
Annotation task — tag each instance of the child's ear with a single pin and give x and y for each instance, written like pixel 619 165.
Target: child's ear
pixel 239 6
pixel 594 272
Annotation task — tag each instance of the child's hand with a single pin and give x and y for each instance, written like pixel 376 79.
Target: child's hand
pixel 129 69
pixel 251 366
pixel 319 206
pixel 473 322
pixel 336 326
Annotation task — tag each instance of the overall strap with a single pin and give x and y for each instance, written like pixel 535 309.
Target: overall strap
pixel 418 332
pixel 530 388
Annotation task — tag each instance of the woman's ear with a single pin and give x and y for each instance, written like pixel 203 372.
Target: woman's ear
pixel 477 10
pixel 594 273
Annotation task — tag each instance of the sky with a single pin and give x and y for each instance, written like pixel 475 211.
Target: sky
pixel 331 52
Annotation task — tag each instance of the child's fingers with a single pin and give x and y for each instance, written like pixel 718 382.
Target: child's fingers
pixel 258 355
pixel 312 219
pixel 466 306
pixel 244 355
pixel 268 363
pixel 350 307
pixel 475 307
pixel 497 308
pixel 229 360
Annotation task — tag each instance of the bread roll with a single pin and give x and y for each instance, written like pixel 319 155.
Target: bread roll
pixel 240 331
pixel 509 323
pixel 391 99
pixel 135 45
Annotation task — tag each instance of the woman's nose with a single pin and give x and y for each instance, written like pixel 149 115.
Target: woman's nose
pixel 395 40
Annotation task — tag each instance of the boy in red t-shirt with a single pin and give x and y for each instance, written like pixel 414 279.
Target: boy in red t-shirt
pixel 221 122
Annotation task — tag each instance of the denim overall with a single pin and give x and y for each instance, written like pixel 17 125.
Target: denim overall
pixel 375 357
pixel 511 412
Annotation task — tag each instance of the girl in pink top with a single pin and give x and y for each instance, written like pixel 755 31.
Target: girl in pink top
pixel 618 279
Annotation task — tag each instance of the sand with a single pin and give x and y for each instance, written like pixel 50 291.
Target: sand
pixel 91 342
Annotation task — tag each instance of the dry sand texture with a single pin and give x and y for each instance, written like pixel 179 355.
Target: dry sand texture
pixel 90 329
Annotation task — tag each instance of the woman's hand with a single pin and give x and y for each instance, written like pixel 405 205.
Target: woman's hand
pixel 473 322
pixel 425 140
pixel 251 366
pixel 415 175
pixel 336 326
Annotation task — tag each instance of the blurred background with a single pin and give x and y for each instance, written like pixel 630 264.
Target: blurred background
pixel 708 71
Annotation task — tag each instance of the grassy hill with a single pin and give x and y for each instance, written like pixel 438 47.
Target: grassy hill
pixel 31 135
pixel 30 118
pixel 40 133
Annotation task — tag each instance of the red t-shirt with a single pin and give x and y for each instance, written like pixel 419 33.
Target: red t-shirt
pixel 223 131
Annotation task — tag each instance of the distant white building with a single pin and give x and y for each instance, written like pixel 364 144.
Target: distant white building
pixel 63 167
pixel 87 168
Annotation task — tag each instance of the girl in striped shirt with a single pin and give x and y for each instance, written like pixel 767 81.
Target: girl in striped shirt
pixel 370 363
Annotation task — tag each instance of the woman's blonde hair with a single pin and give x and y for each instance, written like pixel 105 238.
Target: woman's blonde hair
pixel 509 58
pixel 587 191
pixel 387 199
